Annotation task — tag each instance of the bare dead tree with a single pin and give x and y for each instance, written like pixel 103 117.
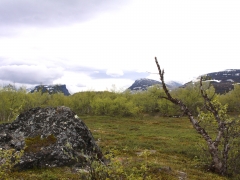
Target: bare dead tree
pixel 219 153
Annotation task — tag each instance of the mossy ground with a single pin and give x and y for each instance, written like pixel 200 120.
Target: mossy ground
pixel 172 143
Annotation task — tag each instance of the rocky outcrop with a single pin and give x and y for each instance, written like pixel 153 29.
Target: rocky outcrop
pixel 51 137
pixel 51 89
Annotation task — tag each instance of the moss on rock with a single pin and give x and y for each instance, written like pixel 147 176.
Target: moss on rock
pixel 34 144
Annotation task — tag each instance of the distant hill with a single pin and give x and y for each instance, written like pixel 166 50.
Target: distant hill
pixel 173 84
pixel 144 83
pixel 51 89
pixel 222 81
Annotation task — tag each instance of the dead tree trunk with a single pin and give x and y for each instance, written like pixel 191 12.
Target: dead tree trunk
pixel 219 160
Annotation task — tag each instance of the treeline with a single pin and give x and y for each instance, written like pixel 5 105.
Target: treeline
pixel 13 101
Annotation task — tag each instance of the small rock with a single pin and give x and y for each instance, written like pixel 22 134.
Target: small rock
pixel 166 169
pixel 182 175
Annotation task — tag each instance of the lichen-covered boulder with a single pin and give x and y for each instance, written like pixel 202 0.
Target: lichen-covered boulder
pixel 50 137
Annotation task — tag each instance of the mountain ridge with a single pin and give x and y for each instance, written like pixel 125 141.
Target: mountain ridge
pixel 143 84
pixel 51 89
pixel 222 81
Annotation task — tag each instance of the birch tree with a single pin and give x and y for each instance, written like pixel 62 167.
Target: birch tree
pixel 219 141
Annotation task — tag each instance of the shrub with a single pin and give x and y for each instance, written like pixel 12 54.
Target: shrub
pixel 8 158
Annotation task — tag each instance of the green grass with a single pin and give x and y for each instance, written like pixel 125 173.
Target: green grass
pixel 166 135
pixel 173 144
pixel 174 140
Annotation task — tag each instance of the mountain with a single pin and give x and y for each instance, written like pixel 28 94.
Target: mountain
pixel 230 75
pixel 222 81
pixel 51 89
pixel 144 83
pixel 173 84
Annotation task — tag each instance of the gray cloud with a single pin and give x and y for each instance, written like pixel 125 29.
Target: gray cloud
pixel 80 85
pixel 133 75
pixel 79 68
pixel 26 74
pixel 115 72
pixel 52 12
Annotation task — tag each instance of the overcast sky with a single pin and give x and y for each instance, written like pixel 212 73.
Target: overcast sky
pixel 93 44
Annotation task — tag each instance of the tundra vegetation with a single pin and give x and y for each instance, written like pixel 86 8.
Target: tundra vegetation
pixel 140 133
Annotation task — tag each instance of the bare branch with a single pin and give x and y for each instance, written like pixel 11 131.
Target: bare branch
pixel 183 107
pixel 169 97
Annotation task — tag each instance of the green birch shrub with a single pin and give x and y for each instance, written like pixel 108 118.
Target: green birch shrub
pixel 230 141
pixel 153 93
pixel 145 102
pixel 167 108
pixel 80 102
pixel 117 169
pixel 190 96
pixel 8 158
pixel 121 106
pixel 149 102
pixel 37 99
pixel 234 153
pixel 101 106
pixel 58 99
pixel 232 98
pixel 12 102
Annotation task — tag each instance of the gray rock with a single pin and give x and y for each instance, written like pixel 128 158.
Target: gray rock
pixel 54 137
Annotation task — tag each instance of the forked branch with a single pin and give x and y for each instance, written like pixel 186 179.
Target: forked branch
pixel 218 165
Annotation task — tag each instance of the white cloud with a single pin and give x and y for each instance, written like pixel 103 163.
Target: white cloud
pixel 81 82
pixel 107 84
pixel 189 38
